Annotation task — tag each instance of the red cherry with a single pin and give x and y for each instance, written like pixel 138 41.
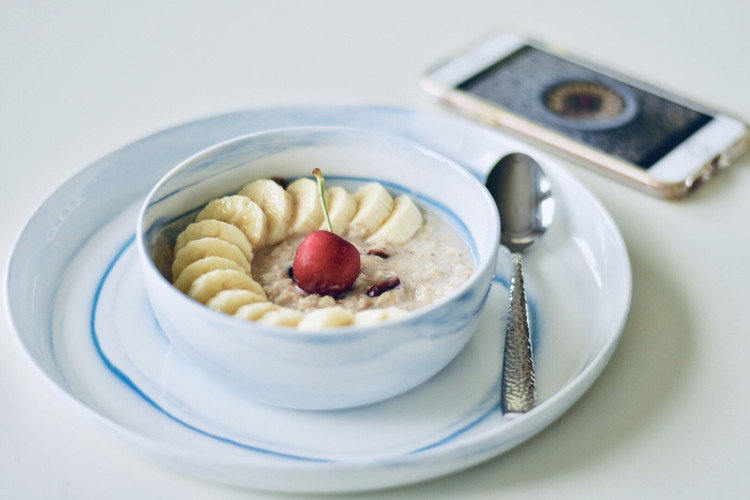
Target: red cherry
pixel 325 264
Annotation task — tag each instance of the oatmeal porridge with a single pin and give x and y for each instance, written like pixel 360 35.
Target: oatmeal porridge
pixel 430 265
pixel 237 256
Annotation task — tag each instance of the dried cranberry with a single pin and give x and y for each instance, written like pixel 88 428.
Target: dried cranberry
pixel 383 286
pixel 379 253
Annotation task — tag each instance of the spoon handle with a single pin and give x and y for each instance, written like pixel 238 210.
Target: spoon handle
pixel 518 392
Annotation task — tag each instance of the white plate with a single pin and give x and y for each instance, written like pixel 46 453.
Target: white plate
pixel 77 302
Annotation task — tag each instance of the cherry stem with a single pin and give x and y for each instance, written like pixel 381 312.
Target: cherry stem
pixel 322 191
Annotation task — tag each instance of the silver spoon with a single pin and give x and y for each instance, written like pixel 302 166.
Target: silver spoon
pixel 523 196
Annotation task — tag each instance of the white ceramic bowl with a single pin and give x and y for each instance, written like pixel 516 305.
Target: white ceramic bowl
pixel 337 367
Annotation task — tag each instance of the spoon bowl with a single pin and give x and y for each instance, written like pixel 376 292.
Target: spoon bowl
pixel 523 196
pixel 524 199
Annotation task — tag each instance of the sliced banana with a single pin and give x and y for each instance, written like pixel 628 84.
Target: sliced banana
pixel 308 214
pixel 277 204
pixel 372 316
pixel 326 317
pixel 212 228
pixel 205 287
pixel 163 255
pixel 400 226
pixel 201 267
pixel 341 208
pixel 374 205
pixel 255 311
pixel 205 247
pixel 239 211
pixel 212 256
pixel 284 316
pixel 228 301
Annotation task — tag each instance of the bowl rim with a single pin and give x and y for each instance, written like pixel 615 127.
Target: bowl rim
pixel 323 333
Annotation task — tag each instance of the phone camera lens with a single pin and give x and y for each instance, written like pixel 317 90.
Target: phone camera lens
pixel 584 101
pixel 588 105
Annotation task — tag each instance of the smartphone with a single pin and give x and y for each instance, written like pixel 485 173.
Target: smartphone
pixel 638 134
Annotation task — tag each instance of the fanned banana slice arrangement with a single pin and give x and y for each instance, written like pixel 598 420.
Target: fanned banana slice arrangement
pixel 213 255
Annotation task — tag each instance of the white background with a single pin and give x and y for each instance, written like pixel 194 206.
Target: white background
pixel 668 417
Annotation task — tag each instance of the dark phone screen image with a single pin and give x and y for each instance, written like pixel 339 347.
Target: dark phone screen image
pixel 584 105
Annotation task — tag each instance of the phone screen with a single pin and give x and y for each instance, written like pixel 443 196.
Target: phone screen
pixel 600 111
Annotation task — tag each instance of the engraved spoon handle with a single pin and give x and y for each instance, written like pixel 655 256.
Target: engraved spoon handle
pixel 518 391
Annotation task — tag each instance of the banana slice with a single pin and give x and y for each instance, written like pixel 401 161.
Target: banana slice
pixel 228 301
pixel 372 316
pixel 163 255
pixel 201 267
pixel 239 211
pixel 277 204
pixel 326 317
pixel 255 311
pixel 400 226
pixel 207 286
pixel 284 316
pixel 374 205
pixel 341 208
pixel 308 214
pixel 211 228
pixel 205 247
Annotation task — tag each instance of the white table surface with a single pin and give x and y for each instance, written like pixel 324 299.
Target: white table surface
pixel 669 416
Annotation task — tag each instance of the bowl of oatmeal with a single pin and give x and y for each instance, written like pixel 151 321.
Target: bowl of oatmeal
pixel 218 238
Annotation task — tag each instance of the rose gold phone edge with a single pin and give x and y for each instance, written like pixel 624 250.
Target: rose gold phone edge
pixel 620 170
